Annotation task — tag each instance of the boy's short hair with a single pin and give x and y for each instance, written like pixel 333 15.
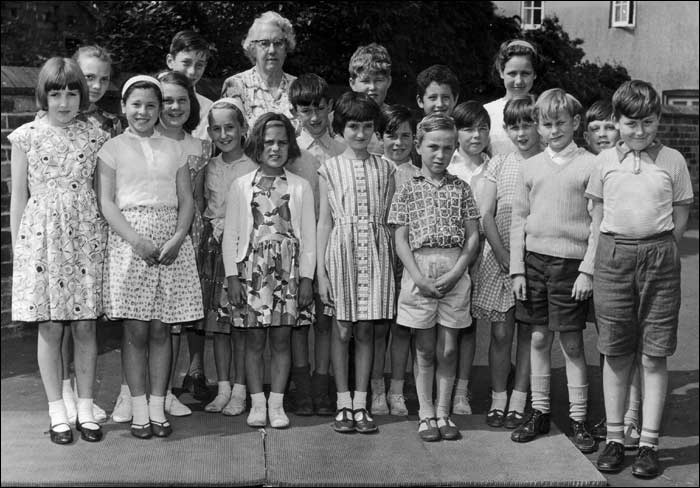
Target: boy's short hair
pixel 636 99
pixel 553 101
pixel 308 89
pixel 519 110
pixel 255 143
pixel 433 122
pixel 189 40
pixel 394 116
pixel 372 58
pixel 440 74
pixel 358 107
pixel 93 51
pixel 599 110
pixel 59 74
pixel 469 114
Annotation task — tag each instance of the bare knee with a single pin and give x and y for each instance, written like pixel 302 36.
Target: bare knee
pixel 572 344
pixel 364 333
pixel 255 340
pixel 500 335
pixel 280 340
pixel 653 364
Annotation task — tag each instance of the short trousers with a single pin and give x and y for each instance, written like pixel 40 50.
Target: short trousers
pixel 637 291
pixel 550 280
pixel 420 312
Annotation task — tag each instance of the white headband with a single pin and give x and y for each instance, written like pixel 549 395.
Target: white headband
pixel 520 42
pixel 137 78
pixel 236 102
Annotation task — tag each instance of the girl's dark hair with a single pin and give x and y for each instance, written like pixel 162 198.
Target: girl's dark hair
pixel 255 142
pixel 394 116
pixel 146 85
pixel 60 74
pixel 358 107
pixel 175 78
pixel 468 114
pixel 516 47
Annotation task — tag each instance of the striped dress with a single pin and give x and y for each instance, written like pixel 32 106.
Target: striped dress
pixel 359 256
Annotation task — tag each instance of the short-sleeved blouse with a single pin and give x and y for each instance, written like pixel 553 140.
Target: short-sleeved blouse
pixel 146 169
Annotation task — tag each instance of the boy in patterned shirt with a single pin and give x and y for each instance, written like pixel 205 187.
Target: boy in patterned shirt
pixel 437 236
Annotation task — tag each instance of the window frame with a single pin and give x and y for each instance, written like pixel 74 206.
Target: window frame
pixel 531 8
pixel 630 21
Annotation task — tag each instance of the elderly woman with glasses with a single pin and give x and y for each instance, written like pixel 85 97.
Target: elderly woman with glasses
pixel 264 87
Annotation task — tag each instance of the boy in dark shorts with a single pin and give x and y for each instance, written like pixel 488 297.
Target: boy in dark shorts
pixel 642 194
pixel 551 262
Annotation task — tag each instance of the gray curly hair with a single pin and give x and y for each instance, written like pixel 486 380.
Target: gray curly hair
pixel 275 19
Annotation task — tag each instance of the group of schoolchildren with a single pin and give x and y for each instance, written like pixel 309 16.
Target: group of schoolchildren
pixel 356 220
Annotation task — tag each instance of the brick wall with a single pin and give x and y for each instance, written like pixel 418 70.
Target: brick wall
pixel 679 129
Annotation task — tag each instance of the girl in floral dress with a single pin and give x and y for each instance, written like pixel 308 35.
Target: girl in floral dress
pixel 58 238
pixel 269 254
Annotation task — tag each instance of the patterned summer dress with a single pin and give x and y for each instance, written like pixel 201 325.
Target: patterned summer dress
pixel 271 267
pixel 60 248
pixel 494 289
pixel 359 256
pixel 197 152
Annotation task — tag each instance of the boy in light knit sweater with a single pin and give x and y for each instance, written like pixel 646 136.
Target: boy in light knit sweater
pixel 551 262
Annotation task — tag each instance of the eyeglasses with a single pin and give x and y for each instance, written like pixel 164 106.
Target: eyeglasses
pixel 266 43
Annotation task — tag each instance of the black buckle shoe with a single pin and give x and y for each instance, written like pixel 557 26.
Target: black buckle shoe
pixel 600 430
pixel 536 423
pixel 90 435
pixel 495 417
pixel 364 424
pixel 612 458
pixel 513 419
pixel 65 437
pixel 581 438
pixel 161 429
pixel 344 422
pixel 142 431
pixel 647 463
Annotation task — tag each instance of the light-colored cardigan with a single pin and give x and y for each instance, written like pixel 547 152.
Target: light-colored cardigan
pixel 238 223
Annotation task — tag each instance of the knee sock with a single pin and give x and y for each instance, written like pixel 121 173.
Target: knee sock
pixel 275 400
pixel 540 392
pixel 578 402
pixel 378 386
pixel 344 400
pixel 632 413
pixel 124 391
pixel 462 387
pixel 517 401
pixel 140 411
pixel 396 387
pixel 223 388
pixel 239 391
pixel 444 393
pixel 359 400
pixel 615 433
pixel 424 389
pixel 85 414
pixel 649 438
pixel 499 399
pixel 257 400
pixel 156 408
pixel 57 414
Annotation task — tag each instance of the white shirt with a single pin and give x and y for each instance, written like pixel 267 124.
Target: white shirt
pixel 565 155
pixel 200 132
pixel 500 142
pixel 321 148
pixel 146 169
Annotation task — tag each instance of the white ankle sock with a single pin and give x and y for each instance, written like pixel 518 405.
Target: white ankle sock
pixel 499 399
pixel 139 409
pixel 224 388
pixel 85 414
pixel 257 400
pixel 57 413
pixel 344 400
pixel 517 401
pixel 156 408
pixel 359 400
pixel 462 387
pixel 238 390
pixel 275 400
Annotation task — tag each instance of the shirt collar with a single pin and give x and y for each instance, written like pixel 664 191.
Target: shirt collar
pixel 446 179
pixel 156 134
pixel 565 154
pixel 306 140
pixel 652 150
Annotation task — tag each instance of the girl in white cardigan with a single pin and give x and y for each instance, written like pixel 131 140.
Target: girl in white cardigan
pixel 269 253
